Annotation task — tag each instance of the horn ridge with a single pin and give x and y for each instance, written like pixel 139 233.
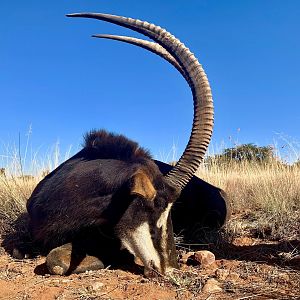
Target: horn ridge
pixel 202 97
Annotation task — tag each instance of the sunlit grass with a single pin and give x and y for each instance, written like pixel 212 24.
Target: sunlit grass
pixel 265 197
pixel 21 172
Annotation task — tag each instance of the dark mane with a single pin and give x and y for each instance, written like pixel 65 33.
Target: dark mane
pixel 108 145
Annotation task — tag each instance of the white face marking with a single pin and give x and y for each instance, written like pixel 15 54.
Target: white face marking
pixel 162 223
pixel 140 244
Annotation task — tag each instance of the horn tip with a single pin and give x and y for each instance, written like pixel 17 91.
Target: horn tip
pixel 90 15
pixel 105 36
pixel 84 14
pixel 71 15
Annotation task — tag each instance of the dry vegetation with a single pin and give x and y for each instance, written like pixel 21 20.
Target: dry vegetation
pixel 265 198
pixel 254 250
pixel 16 183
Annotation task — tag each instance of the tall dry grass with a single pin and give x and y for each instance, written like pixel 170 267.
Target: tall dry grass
pixel 22 172
pixel 265 197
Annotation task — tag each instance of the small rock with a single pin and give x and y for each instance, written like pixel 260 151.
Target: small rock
pixel 204 258
pixel 96 286
pixel 65 280
pixel 57 270
pixel 221 274
pixel 55 282
pixel 212 286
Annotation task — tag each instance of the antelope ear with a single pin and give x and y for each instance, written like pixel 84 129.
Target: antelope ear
pixel 140 184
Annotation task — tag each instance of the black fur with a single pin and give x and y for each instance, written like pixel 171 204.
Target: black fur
pixel 90 192
pixel 108 145
pixel 84 199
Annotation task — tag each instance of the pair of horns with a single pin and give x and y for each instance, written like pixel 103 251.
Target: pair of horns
pixel 176 53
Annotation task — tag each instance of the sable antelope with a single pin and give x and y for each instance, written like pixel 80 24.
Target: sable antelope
pixel 112 190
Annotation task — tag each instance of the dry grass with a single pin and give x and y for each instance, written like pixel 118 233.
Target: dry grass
pixel 265 202
pixel 23 170
pixel 265 198
pixel 14 192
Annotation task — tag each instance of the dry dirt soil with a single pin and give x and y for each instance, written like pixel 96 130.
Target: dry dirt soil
pixel 247 269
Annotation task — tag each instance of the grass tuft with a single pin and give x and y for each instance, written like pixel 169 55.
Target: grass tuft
pixel 265 198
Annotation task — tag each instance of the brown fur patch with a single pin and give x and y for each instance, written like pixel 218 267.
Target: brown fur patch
pixel 142 185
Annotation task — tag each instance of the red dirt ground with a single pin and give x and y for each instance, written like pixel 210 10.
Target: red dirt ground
pixel 260 270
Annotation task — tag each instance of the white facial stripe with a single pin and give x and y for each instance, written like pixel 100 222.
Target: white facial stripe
pixel 162 223
pixel 140 244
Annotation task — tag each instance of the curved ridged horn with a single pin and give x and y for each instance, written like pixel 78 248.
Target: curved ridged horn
pixel 150 46
pixel 203 104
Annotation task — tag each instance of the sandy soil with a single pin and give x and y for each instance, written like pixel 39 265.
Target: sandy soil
pixel 260 270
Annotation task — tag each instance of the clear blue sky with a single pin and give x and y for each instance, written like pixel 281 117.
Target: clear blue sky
pixel 58 79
